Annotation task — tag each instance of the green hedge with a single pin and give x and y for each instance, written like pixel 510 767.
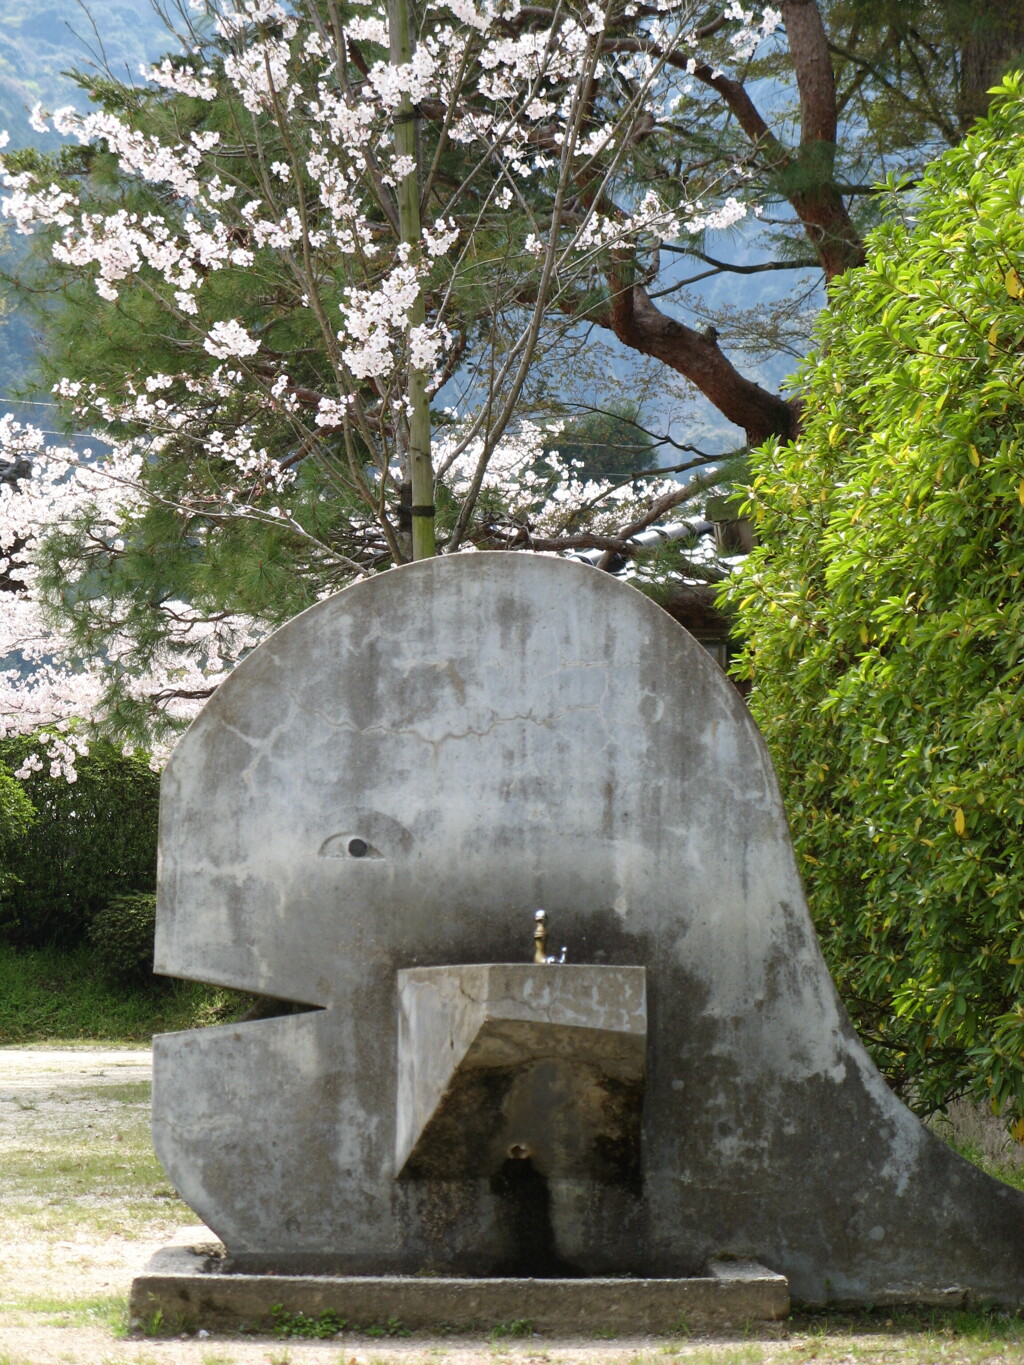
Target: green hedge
pixel 884 619
pixel 51 996
pixel 16 816
pixel 89 841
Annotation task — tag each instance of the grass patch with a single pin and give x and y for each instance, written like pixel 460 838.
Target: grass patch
pixel 742 1355
pixel 1008 1173
pixel 393 1327
pixel 108 1310
pixel 80 1162
pixel 517 1327
pixel 325 1325
pixel 60 997
pixel 128 1092
pixel 320 1325
pixel 158 1325
pixel 930 1327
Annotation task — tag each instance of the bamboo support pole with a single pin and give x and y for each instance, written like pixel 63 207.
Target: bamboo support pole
pixel 421 470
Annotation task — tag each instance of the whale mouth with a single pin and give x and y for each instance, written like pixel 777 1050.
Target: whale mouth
pixel 254 1005
pixel 273 1007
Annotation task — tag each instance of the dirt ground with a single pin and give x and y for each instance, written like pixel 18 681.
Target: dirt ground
pixel 84 1204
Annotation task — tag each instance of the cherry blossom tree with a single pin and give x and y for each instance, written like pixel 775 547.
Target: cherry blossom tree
pixel 252 214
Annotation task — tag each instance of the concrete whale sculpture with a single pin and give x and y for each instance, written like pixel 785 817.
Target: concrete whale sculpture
pixel 395 781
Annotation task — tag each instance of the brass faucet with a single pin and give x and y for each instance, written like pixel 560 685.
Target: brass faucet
pixel 540 937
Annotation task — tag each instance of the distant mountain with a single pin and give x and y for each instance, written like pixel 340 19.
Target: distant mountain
pixel 40 41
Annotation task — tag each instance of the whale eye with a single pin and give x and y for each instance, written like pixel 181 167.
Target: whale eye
pixel 349 845
pixel 367 835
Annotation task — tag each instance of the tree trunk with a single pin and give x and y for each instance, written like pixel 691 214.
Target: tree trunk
pixel 421 470
pixel 821 209
pixel 639 324
pixel 990 36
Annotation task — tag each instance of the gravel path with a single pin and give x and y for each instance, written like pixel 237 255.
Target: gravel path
pixel 63 1104
pixel 42 1068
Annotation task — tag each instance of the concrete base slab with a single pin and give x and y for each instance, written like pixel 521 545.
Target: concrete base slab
pixel 185 1287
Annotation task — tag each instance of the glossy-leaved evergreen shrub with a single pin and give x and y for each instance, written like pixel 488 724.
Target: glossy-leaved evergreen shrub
pixel 121 936
pixel 884 623
pixel 90 839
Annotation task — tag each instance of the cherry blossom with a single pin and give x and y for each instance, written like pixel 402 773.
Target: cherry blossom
pixel 509 100
pixel 227 339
